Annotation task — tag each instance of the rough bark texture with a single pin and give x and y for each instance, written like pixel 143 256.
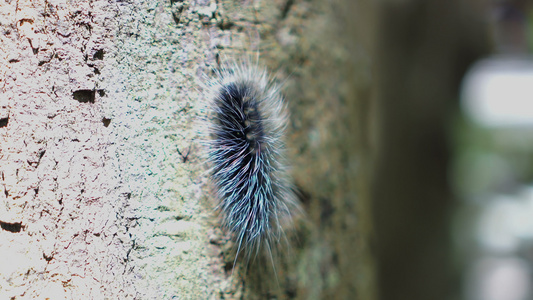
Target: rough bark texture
pixel 102 186
pixel 63 205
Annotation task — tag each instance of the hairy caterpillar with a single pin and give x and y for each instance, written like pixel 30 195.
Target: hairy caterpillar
pixel 245 151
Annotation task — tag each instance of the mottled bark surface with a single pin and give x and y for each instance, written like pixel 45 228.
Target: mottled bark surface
pixel 63 205
pixel 103 192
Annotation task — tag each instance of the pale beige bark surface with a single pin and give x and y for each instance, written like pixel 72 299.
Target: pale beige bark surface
pixel 62 201
pixel 89 168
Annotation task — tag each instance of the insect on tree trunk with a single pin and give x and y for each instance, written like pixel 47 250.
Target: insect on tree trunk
pixel 103 186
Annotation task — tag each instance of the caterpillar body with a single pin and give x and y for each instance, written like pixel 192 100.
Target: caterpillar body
pixel 245 151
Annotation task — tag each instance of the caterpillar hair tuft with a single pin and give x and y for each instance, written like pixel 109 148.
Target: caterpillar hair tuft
pixel 245 151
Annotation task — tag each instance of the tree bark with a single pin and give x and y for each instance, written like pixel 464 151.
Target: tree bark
pixel 103 189
pixel 62 201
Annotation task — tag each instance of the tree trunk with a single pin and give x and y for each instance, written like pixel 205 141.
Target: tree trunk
pixel 422 49
pixel 103 180
pixel 105 192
